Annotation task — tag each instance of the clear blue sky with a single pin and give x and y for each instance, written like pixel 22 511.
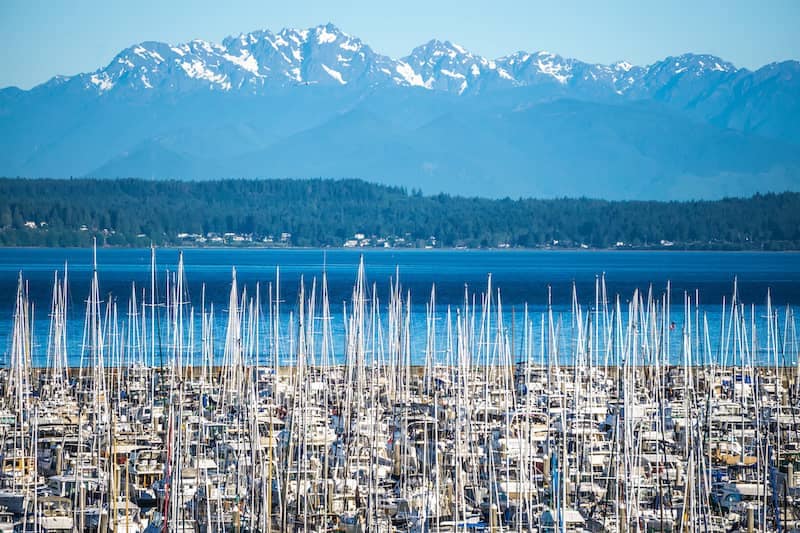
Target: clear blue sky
pixel 41 38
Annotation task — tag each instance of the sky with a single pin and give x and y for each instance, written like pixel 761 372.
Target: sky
pixel 43 38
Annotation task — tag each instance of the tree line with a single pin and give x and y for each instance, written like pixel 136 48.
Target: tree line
pixel 321 212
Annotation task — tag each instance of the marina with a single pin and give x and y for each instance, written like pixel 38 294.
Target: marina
pixel 527 267
pixel 629 412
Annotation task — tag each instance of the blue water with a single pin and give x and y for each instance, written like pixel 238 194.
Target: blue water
pixel 521 276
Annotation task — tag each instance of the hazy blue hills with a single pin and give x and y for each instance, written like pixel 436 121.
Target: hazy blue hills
pixel 319 102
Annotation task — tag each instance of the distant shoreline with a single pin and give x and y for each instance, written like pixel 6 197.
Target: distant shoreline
pixel 353 214
pixel 375 249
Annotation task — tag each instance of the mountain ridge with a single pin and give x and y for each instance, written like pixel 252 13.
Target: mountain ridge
pixel 264 104
pixel 258 59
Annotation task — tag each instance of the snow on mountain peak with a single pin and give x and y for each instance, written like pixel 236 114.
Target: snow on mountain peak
pixel 102 81
pixel 259 60
pixel 245 61
pixel 324 36
pixel 408 75
pixel 553 65
pixel 334 74
pixel 147 54
pixel 458 48
pixel 697 64
pixel 444 66
pixel 623 65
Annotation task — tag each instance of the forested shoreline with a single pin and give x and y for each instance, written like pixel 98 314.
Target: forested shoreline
pixel 321 212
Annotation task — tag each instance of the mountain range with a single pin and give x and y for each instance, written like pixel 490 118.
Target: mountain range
pixel 321 103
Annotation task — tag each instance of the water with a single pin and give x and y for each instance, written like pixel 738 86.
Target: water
pixel 522 277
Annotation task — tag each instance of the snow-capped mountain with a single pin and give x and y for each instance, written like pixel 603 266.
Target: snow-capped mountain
pixel 321 102
pixel 252 62
pixel 261 60
pixel 444 66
